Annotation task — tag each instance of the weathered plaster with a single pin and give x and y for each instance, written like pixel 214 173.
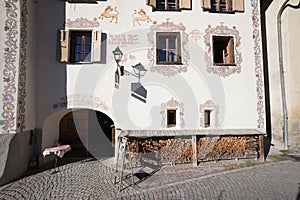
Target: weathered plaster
pixel 11 65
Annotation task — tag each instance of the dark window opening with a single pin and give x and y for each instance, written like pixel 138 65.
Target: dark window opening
pixel 221 5
pixel 167 5
pixel 207 118
pixel 171 118
pixel 168 48
pixel 223 50
pixel 81 46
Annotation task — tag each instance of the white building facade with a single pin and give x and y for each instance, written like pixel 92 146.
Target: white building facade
pixel 290 30
pixel 203 62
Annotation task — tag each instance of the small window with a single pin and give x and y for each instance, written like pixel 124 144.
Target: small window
pixel 167 5
pixel 170 5
pixel 81 46
pixel 207 118
pixel 221 5
pixel 223 50
pixel 168 48
pixel 171 118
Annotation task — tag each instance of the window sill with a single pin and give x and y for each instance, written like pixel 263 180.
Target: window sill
pixel 80 63
pixel 224 64
pixel 221 12
pixel 162 10
pixel 168 63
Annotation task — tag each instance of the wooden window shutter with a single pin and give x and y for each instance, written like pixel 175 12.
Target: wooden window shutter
pixel 206 5
pixel 230 50
pixel 185 4
pixel 151 3
pixel 64 46
pixel 96 42
pixel 238 5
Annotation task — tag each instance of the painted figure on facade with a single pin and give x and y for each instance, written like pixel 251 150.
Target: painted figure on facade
pixel 140 16
pixel 110 12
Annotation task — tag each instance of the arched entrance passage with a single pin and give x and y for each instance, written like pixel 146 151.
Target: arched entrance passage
pixel 88 132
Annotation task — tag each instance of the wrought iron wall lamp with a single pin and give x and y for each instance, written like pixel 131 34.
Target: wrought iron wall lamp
pixel 138 91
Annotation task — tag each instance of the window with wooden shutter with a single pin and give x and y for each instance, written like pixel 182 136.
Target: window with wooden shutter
pixel 238 6
pixel 96 41
pixel 64 46
pixel 223 50
pixel 81 46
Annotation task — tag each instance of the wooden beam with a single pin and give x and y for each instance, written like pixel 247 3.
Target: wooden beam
pixel 261 148
pixel 194 145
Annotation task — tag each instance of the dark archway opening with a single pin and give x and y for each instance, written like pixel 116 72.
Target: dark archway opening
pixel 88 132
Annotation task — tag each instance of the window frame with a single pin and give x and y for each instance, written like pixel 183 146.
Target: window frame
pixel 73 44
pixel 207 118
pixel 233 6
pixel 228 4
pixel 230 50
pixel 177 45
pixel 174 112
pixel 177 7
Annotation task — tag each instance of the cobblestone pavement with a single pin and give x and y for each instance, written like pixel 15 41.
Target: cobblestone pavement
pixel 93 180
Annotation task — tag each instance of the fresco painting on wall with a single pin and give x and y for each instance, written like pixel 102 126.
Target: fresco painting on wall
pixel 81 100
pixel 140 15
pixel 110 12
pixel 82 23
pixel 123 40
pixel 196 35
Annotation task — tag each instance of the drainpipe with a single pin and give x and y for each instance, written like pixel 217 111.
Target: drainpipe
pixel 282 84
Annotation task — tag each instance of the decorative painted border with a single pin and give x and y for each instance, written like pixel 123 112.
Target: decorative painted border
pixel 10 66
pixel 209 105
pixel 222 71
pixel 258 64
pixel 172 104
pixel 168 70
pixel 82 23
pixel 23 66
pixel 80 100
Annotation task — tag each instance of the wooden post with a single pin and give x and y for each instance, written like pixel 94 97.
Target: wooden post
pixel 261 148
pixel 113 135
pixel 194 146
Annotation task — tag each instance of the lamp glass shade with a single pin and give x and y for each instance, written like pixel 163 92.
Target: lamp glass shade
pixel 139 69
pixel 118 54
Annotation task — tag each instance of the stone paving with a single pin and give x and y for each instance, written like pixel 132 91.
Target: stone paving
pixel 92 179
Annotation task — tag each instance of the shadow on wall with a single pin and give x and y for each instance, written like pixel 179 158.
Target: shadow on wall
pixel 267 145
pixel 16 153
pixel 298 196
